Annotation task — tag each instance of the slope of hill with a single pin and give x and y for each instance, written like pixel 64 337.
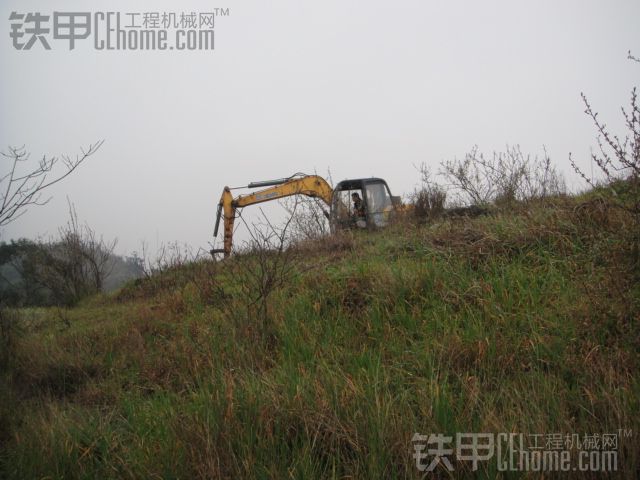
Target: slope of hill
pixel 523 321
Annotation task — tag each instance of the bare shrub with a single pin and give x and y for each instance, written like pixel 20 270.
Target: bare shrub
pixel 619 162
pixel 429 200
pixel 168 256
pixel 617 159
pixel 171 266
pixel 503 178
pixel 309 216
pixel 263 265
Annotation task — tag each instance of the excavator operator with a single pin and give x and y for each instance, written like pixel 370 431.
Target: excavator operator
pixel 358 206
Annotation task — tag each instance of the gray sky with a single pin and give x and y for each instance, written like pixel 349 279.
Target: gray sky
pixel 359 88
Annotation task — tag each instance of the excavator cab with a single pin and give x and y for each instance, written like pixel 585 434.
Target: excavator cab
pixel 361 203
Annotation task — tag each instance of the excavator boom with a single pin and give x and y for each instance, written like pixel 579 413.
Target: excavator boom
pixel 309 185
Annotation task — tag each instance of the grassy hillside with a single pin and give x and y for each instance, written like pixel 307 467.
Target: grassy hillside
pixel 522 321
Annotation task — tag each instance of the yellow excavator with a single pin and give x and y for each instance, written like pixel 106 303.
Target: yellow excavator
pixel 361 203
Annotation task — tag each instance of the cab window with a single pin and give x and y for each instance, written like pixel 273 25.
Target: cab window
pixel 378 203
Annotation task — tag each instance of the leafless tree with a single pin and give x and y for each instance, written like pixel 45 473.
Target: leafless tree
pixel 83 243
pixel 22 185
pixel 76 264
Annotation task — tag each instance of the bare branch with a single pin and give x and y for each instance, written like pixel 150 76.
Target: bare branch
pixel 19 191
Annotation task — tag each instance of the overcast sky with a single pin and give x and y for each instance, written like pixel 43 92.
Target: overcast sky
pixel 358 88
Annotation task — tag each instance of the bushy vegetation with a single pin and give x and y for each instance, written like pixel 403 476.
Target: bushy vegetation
pixel 520 321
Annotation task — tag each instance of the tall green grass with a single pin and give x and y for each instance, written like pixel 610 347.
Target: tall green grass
pixel 519 322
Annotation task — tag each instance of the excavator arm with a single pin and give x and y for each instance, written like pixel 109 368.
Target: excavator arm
pixel 309 185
